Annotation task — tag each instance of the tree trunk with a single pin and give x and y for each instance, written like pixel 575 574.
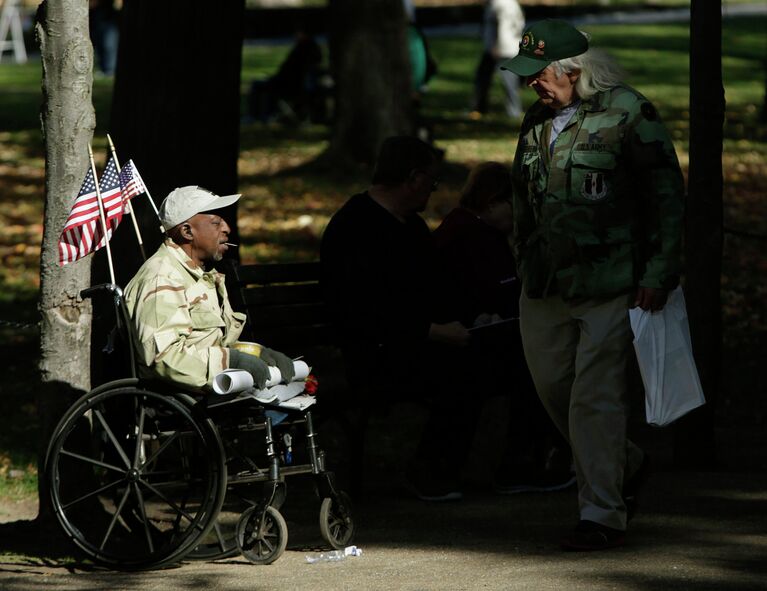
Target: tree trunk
pixel 176 106
pixel 371 68
pixel 68 121
pixel 694 443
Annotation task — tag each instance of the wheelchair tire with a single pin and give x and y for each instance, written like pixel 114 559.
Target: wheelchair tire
pixel 336 521
pixel 262 545
pixel 221 541
pixel 136 478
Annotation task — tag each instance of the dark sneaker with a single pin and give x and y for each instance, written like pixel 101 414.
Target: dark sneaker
pixel 633 485
pixel 534 481
pixel 589 536
pixel 429 487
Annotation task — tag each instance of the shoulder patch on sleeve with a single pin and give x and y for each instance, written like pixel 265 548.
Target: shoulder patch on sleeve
pixel 649 112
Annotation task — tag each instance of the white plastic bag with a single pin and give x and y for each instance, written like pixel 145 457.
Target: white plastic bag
pixel 664 352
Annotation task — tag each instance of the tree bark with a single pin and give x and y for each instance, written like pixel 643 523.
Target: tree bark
pixel 176 106
pixel 694 442
pixel 68 121
pixel 371 68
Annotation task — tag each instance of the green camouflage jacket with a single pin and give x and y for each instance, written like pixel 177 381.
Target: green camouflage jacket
pixel 182 318
pixel 603 213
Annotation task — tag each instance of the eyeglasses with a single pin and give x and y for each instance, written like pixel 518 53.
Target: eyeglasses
pixel 435 180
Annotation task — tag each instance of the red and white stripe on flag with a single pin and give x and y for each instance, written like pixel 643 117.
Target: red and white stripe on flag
pixel 83 230
pixel 130 181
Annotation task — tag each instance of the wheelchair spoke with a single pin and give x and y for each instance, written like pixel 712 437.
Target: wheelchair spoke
pixel 91 494
pixel 72 454
pixel 161 449
pixel 115 517
pixel 266 540
pixel 139 437
pixel 219 536
pixel 142 510
pixel 170 503
pixel 112 438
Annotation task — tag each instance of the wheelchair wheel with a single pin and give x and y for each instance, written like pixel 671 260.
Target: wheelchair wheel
pixel 221 541
pixel 136 478
pixel 336 522
pixel 262 536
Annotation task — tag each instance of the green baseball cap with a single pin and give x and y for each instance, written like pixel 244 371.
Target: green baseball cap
pixel 544 42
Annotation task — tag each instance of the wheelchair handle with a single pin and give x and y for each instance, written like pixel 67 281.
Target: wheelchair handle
pixel 89 291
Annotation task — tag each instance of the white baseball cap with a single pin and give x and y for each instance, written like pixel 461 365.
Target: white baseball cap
pixel 184 202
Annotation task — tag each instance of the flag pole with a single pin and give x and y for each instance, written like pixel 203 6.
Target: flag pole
pixel 101 216
pixel 128 207
pixel 151 202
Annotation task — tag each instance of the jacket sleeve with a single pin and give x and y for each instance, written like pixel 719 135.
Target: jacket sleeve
pixel 163 324
pixel 656 169
pixel 524 172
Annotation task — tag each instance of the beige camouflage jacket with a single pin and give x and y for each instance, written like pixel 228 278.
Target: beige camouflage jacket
pixel 182 319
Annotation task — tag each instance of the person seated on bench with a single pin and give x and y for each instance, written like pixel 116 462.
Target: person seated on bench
pixel 295 91
pixel 178 303
pixel 377 268
pixel 476 259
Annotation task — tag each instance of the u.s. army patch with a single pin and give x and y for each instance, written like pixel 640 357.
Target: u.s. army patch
pixel 594 187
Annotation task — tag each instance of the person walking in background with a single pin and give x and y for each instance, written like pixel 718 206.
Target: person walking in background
pixel 104 32
pixel 502 26
pixel 598 207
pixel 482 292
pixel 423 67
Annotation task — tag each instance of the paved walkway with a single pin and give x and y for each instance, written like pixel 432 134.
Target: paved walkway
pixel 696 531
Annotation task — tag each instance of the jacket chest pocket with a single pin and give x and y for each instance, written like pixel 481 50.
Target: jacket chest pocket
pixel 203 318
pixel 593 177
pixel 531 173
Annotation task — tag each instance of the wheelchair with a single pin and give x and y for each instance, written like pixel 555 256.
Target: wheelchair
pixel 144 474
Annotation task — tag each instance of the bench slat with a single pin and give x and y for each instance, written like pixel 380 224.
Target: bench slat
pixel 301 315
pixel 297 293
pixel 270 273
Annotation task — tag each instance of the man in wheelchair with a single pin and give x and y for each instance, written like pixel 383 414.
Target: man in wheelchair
pixel 186 329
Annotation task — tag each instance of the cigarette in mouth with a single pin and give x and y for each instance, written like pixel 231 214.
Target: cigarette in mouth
pixel 230 244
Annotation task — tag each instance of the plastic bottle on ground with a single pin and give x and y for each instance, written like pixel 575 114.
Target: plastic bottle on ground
pixel 334 555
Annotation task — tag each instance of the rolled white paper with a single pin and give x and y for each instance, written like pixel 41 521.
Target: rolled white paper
pixel 232 380
pixel 275 377
pixel 301 370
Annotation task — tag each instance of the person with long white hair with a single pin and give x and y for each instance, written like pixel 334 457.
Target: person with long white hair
pixel 598 207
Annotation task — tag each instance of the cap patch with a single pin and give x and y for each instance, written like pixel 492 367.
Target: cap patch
pixel 527 39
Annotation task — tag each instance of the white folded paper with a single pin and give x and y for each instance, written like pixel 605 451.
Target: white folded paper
pixel 298 402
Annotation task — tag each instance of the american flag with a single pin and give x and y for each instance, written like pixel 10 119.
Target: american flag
pixel 130 181
pixel 83 226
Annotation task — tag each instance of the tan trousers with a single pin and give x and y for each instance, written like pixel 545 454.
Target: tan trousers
pixel 577 354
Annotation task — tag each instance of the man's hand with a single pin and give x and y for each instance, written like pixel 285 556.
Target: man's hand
pixel 650 298
pixel 253 365
pixel 452 333
pixel 280 361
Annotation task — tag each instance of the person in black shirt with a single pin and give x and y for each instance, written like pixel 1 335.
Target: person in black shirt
pixel 380 283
